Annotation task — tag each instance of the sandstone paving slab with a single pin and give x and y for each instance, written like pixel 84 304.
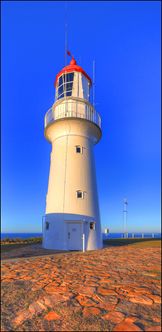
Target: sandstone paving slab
pixel 113 289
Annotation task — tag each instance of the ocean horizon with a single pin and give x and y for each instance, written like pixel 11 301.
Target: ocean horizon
pixel 111 235
pixel 19 235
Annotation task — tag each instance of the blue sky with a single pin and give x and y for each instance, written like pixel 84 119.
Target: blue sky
pixel 124 40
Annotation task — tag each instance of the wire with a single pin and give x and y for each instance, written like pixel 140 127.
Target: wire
pixel 66 48
pixel 66 31
pixel 94 65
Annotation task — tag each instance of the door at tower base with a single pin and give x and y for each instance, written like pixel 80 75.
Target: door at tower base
pixel 65 232
pixel 74 235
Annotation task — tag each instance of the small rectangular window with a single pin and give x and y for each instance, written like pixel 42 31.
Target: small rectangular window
pixel 79 194
pixel 78 149
pixel 92 225
pixel 47 225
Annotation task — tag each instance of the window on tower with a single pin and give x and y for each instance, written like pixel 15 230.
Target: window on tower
pixel 47 225
pixel 78 149
pixel 79 194
pixel 92 225
pixel 65 85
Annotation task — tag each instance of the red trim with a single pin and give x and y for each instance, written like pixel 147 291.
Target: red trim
pixel 72 68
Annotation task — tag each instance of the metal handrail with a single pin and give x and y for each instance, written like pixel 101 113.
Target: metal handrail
pixel 88 113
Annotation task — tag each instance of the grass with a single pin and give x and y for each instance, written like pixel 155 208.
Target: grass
pixel 140 243
pixel 151 243
pixel 9 247
pixel 9 244
pixel 21 241
pixel 133 242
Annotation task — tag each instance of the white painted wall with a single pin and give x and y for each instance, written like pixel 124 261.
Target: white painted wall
pixel 56 237
pixel 71 171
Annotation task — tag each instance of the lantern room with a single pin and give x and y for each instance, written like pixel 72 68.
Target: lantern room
pixel 72 96
pixel 72 81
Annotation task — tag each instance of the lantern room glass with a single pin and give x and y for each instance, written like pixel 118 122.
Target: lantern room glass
pixel 65 85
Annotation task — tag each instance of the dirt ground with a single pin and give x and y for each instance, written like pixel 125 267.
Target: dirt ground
pixel 113 289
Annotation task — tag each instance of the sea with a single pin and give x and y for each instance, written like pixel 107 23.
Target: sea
pixel 19 235
pixel 104 236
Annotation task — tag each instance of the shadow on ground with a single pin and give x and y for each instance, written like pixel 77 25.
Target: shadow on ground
pixel 14 251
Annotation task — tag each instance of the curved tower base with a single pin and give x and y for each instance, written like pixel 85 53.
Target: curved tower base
pixel 63 231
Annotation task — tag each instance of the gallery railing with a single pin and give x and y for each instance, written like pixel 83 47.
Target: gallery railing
pixel 72 109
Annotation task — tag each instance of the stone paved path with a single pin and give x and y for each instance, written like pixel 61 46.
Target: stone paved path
pixel 113 289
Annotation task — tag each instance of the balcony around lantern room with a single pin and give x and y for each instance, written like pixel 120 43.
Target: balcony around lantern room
pixel 72 108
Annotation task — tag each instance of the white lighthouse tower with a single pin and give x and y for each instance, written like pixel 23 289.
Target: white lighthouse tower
pixel 73 127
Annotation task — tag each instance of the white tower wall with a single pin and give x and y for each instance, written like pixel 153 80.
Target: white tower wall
pixel 72 122
pixel 69 172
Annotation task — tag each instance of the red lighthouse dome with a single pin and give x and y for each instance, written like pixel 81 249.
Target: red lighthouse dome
pixel 72 67
pixel 72 81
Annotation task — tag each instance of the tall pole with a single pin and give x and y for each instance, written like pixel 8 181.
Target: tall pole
pixel 125 217
pixel 66 48
pixel 66 33
pixel 94 68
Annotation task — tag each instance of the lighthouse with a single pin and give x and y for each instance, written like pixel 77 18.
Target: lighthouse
pixel 73 127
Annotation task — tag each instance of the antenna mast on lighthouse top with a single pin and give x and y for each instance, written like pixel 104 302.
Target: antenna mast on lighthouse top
pixel 94 68
pixel 66 48
pixel 66 34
